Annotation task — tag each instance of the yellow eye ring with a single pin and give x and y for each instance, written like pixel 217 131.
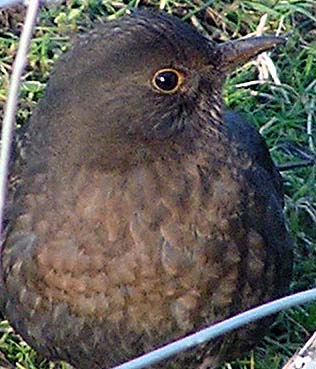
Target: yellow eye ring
pixel 167 81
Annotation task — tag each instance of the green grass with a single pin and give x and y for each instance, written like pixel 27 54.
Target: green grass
pixel 282 112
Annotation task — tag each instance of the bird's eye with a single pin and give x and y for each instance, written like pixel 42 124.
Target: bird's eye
pixel 167 81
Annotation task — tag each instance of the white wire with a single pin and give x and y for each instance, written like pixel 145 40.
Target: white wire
pixel 9 3
pixel 10 109
pixel 218 329
pixel 6 3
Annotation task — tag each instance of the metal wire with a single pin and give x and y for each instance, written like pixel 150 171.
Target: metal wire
pixel 219 329
pixel 9 115
pixel 7 3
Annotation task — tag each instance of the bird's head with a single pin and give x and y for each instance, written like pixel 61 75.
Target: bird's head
pixel 146 80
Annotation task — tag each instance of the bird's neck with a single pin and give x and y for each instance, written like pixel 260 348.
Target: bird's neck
pixel 65 149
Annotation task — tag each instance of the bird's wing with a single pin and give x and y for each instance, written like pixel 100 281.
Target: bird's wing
pixel 266 217
pixel 253 143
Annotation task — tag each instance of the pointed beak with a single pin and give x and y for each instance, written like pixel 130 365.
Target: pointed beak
pixel 237 52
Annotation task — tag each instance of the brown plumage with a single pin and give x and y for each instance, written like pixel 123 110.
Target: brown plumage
pixel 143 210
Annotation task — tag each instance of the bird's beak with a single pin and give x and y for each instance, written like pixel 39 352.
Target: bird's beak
pixel 237 52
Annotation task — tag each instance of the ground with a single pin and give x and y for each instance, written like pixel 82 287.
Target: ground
pixel 284 113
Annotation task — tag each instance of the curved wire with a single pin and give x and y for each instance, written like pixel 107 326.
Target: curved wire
pixel 218 329
pixel 11 105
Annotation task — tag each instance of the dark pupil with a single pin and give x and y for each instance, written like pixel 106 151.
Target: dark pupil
pixel 167 81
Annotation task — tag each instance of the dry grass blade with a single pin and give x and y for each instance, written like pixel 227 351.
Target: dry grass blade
pixel 304 358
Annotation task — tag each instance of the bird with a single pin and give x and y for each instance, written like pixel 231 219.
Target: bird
pixel 142 208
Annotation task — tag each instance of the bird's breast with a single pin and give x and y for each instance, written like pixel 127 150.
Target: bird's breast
pixel 159 249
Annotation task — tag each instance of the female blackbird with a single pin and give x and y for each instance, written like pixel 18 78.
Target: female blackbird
pixel 143 211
